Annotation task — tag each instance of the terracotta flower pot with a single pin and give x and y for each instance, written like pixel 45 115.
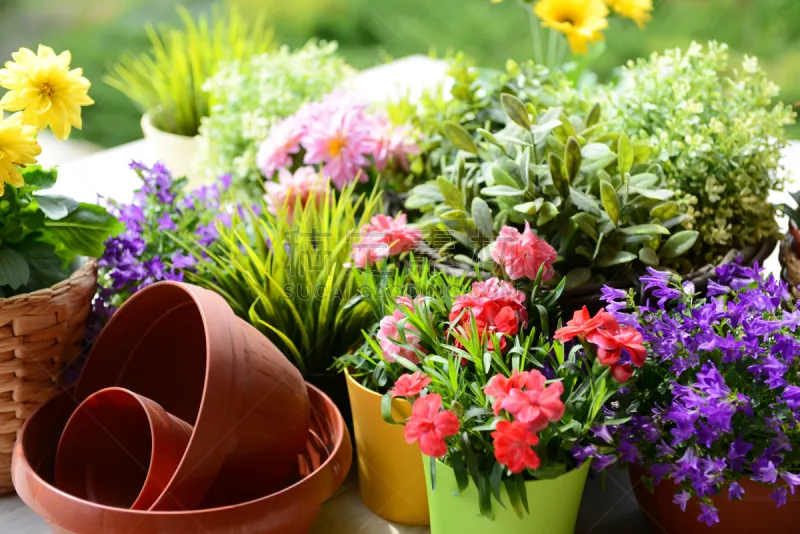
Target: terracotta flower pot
pixel 756 512
pixel 120 449
pixel 182 347
pixel 323 466
pixel 390 474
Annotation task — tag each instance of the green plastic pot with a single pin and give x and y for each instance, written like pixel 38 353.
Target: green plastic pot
pixel 553 505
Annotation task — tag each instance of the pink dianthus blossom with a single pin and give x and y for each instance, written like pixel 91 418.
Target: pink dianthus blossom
pixel 522 254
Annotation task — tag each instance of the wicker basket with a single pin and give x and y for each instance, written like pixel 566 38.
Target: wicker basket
pixel 40 333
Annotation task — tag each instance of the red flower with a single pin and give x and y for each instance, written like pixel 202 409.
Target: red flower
pixel 499 387
pixel 522 254
pixel 613 338
pixel 513 446
pixel 429 425
pixel 536 405
pixel 582 324
pixel 410 385
pixel 621 373
pixel 497 307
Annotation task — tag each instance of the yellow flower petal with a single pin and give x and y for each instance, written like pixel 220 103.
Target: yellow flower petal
pixel 18 146
pixel 636 10
pixel 42 86
pixel 582 21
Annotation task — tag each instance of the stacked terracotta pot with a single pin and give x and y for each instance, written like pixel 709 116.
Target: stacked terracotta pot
pixel 185 419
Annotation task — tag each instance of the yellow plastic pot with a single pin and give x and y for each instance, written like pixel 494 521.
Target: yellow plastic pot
pixel 390 471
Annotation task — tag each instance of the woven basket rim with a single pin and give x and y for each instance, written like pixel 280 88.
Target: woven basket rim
pixel 88 269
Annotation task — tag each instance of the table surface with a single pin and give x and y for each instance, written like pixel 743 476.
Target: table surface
pixel 608 506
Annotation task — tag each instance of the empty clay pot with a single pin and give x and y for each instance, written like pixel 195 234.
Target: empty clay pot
pixel 120 449
pixel 182 347
pixel 322 466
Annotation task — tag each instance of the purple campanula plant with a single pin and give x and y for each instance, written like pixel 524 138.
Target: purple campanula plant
pixel 718 400
pixel 145 252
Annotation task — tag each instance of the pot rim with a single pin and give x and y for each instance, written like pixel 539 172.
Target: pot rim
pixel 340 427
pixel 146 123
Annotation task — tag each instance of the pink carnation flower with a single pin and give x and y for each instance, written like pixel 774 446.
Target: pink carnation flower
pixel 523 254
pixel 283 141
pixel 384 236
pixel 290 188
pixel 391 143
pixel 339 140
pixel 389 337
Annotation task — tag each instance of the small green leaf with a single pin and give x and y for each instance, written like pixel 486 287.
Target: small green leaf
pixel 14 271
pixel 482 215
pixel 679 243
pixel 38 178
pixel 85 230
pixel 594 116
pixel 501 191
pixel 645 229
pixel 623 256
pixel 529 208
pixel 648 256
pixel 56 207
pixel 501 177
pixel 595 151
pixel 489 137
pixel 557 173
pixel 665 211
pixel 625 154
pixel 460 137
pixel 547 213
pixel 572 159
pixel 452 195
pixel 610 201
pixel 579 276
pixel 515 110
pixel 494 480
pixel 653 194
pixel 586 223
pixel 643 180
pixel 585 202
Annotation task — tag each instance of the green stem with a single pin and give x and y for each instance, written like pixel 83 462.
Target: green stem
pixel 536 34
pixel 552 46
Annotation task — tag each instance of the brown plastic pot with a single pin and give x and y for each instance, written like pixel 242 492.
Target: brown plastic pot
pixel 756 512
pixel 323 466
pixel 120 449
pixel 182 347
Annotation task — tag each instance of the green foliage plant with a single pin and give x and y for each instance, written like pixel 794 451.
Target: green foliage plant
pixel 717 130
pixel 168 80
pixel 587 189
pixel 42 235
pixel 286 273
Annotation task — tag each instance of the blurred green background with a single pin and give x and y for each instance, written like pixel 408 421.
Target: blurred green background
pixel 373 31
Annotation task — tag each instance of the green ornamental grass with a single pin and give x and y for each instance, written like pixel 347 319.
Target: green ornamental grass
pixel 285 273
pixel 168 80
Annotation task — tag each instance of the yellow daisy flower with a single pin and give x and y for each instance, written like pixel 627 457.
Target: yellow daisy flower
pixel 582 21
pixel 43 86
pixel 636 10
pixel 18 146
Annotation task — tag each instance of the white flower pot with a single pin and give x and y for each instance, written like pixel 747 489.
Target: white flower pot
pixel 177 152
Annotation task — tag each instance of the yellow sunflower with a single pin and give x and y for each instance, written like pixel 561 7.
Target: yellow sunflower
pixel 43 86
pixel 582 21
pixel 18 146
pixel 636 10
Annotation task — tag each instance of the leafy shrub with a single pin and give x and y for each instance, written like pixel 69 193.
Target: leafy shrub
pixel 248 96
pixel 717 132
pixel 587 190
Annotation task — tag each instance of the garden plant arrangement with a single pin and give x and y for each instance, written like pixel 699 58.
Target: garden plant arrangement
pixel 712 418
pixel 495 286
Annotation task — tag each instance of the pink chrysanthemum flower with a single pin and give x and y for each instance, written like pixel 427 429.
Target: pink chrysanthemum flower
pixel 384 237
pixel 304 184
pixel 339 140
pixel 523 254
pixel 388 142
pixel 283 141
